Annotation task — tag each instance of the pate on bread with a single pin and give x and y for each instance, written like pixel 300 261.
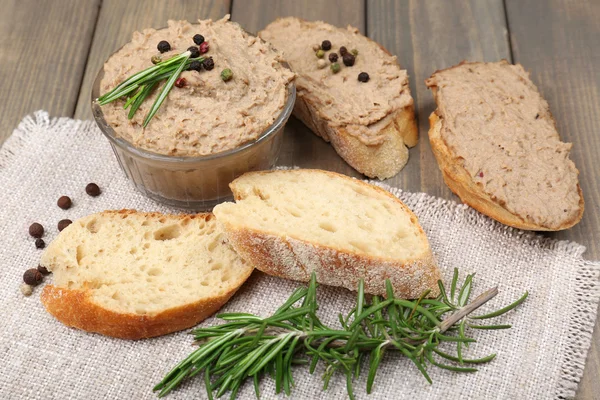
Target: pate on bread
pixel 497 145
pixel 370 124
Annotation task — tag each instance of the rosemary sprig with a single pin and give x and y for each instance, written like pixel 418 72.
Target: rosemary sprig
pixel 247 346
pixel 144 82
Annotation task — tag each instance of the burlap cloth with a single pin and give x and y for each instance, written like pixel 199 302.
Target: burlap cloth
pixel 542 356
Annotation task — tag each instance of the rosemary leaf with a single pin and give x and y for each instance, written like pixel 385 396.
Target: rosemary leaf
pixel 502 310
pixel 166 89
pixel 249 347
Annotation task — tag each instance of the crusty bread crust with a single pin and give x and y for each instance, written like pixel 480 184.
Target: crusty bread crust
pixel 75 307
pixel 461 183
pixel 293 258
pixel 375 161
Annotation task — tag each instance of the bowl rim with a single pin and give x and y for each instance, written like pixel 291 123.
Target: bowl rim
pixel 111 135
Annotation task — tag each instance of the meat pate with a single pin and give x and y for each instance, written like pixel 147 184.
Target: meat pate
pixel 207 115
pixel 363 109
pixel 498 125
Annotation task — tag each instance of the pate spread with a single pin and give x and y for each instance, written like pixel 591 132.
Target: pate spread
pixel 495 120
pixel 364 109
pixel 208 115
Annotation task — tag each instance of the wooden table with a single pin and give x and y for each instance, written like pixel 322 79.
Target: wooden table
pixel 51 51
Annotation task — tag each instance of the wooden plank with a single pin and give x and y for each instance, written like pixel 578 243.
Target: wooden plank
pixel 301 147
pixel 428 35
pixel 119 19
pixel 557 41
pixel 44 48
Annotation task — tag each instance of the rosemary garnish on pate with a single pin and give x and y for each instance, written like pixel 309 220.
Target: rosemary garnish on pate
pixel 143 82
pixel 249 347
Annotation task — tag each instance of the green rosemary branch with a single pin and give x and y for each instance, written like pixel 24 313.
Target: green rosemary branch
pixel 143 83
pixel 247 346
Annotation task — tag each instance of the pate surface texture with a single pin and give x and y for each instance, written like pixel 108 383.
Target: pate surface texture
pixel 498 124
pixel 208 115
pixel 363 109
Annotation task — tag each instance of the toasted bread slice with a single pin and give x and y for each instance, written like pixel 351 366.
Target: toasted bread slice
pixel 497 146
pixel 370 124
pixel 290 223
pixel 136 275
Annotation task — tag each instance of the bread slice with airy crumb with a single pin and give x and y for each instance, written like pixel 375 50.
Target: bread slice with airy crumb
pixel 290 223
pixel 370 123
pixel 135 275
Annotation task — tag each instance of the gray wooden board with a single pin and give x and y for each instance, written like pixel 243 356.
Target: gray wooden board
pixel 52 51
pixel 44 49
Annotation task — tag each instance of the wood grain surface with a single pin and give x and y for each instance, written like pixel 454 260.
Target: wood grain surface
pixel 561 49
pixel 119 19
pixel 52 50
pixel 44 49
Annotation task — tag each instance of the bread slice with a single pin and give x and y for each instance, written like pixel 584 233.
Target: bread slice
pixel 497 146
pixel 290 223
pixel 370 124
pixel 135 275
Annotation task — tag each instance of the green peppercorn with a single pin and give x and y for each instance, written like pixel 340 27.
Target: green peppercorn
pixel 320 53
pixel 335 68
pixel 226 74
pixel 354 51
pixel 156 59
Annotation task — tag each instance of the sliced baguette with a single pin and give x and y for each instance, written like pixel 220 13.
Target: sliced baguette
pixel 290 223
pixel 135 275
pixel 374 138
pixel 536 201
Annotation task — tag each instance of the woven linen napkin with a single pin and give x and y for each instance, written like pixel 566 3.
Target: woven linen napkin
pixel 542 356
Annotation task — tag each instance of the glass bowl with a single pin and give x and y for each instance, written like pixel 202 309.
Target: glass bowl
pixel 193 183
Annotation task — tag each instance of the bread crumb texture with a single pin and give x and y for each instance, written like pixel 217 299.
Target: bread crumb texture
pixel 144 263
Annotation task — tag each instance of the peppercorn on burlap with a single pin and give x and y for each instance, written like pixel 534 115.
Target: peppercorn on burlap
pixel 542 356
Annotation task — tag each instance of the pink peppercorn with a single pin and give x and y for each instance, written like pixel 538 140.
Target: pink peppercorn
pixel 204 47
pixel 180 82
pixel 481 174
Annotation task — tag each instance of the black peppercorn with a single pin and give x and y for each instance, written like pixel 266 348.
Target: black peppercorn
pixel 363 77
pixel 208 64
pixel 64 202
pixel 63 223
pixel 163 46
pixel 92 189
pixel 326 45
pixel 343 50
pixel 195 66
pixel 348 59
pixel 198 39
pixel 43 270
pixel 36 230
pixel 32 277
pixel 333 57
pixel 39 243
pixel 195 52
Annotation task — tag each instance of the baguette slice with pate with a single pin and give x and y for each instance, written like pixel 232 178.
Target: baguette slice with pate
pixel 135 275
pixel 497 146
pixel 290 223
pixel 370 124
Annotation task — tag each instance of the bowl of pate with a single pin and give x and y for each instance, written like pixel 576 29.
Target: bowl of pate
pixel 221 119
